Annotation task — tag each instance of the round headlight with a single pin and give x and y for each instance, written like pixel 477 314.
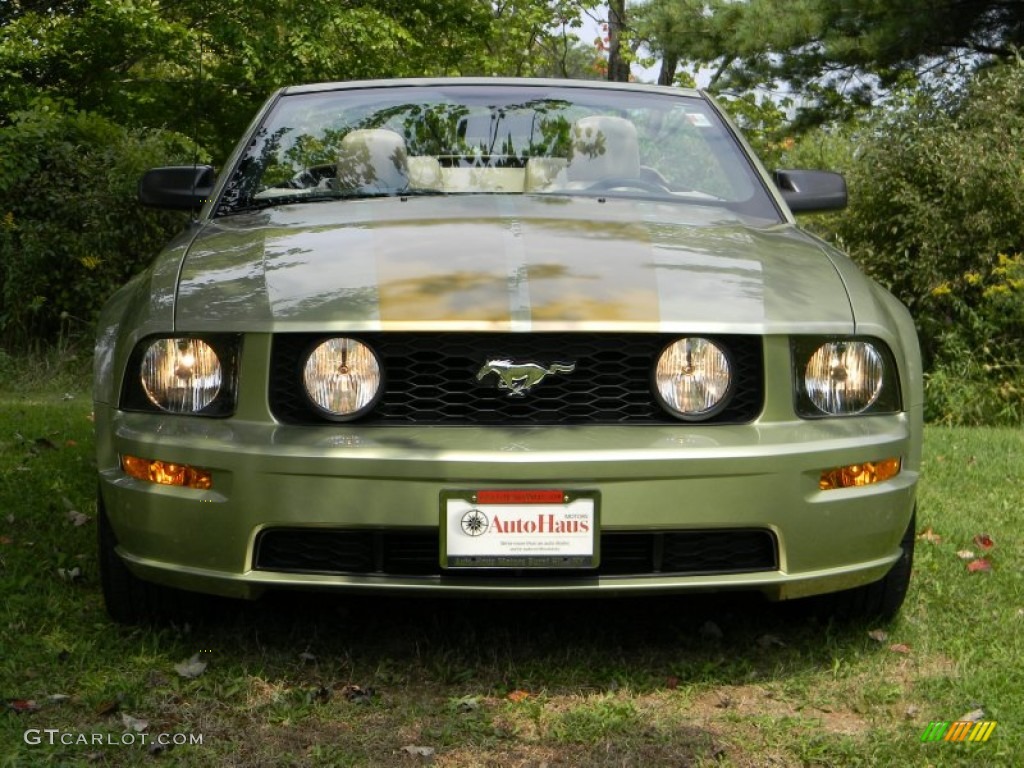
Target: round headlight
pixel 342 378
pixel 181 375
pixel 693 378
pixel 844 377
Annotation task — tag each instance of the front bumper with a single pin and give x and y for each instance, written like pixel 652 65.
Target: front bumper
pixel 648 478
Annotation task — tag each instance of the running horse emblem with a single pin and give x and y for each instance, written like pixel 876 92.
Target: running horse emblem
pixel 520 378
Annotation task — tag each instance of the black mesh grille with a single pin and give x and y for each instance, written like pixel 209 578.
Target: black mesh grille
pixel 431 378
pixel 416 553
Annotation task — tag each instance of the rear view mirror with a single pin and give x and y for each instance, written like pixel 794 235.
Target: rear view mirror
pixel 811 191
pixel 177 187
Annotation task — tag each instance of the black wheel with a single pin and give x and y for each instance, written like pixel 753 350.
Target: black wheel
pixel 880 600
pixel 129 599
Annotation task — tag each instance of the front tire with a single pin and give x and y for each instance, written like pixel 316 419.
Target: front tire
pixel 129 599
pixel 882 599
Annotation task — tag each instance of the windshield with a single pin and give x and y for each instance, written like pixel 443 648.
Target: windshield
pixel 474 139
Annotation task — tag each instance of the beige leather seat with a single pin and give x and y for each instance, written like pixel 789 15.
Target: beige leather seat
pixel 544 173
pixel 373 160
pixel 425 173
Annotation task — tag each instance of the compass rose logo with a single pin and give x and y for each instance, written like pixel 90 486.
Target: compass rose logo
pixel 475 523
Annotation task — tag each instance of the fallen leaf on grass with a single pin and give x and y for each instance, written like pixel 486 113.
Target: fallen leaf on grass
pixel 6 540
pixel 357 694
pixel 878 635
pixel 57 698
pixel 984 541
pixel 466 704
pixel 134 723
pixel 108 707
pixel 412 749
pixel 191 668
pixel 930 536
pixel 22 705
pixel 900 648
pixel 979 566
pixel 973 716
pixel 966 554
pixel 518 696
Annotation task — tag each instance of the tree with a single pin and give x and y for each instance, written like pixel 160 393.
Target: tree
pixel 684 31
pixel 94 91
pixel 618 63
pixel 935 215
pixel 536 38
pixel 191 65
pixel 837 56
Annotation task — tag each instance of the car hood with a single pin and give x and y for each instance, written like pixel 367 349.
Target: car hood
pixel 504 263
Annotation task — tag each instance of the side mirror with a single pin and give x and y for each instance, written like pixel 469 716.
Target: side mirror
pixel 177 187
pixel 811 191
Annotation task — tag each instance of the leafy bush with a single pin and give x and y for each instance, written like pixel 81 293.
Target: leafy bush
pixel 936 203
pixel 979 375
pixel 71 230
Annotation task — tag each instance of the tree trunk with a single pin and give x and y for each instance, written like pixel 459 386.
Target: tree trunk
pixel 618 67
pixel 669 63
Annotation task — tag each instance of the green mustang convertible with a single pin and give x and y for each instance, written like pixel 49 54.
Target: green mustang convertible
pixel 503 337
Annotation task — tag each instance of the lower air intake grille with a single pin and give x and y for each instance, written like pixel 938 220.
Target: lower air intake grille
pixel 415 553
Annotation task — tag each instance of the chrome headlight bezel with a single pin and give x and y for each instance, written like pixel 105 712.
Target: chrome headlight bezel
pixel 137 395
pixel 727 389
pixel 888 398
pixel 368 403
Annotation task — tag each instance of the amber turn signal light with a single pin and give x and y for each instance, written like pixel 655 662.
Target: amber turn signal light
pixel 167 473
pixel 859 475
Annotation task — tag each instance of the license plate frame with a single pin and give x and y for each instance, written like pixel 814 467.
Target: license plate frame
pixel 519 529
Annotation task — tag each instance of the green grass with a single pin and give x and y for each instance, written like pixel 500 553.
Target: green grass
pixel 492 683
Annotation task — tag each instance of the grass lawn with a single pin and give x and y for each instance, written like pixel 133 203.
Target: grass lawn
pixel 340 682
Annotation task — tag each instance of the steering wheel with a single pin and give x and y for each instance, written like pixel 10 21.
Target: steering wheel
pixel 311 177
pixel 615 182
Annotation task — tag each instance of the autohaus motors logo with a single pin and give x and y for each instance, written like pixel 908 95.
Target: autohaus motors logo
pixel 476 523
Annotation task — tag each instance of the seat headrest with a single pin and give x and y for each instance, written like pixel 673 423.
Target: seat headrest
pixel 603 147
pixel 373 160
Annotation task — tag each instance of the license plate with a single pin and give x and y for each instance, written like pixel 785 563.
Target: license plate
pixel 519 529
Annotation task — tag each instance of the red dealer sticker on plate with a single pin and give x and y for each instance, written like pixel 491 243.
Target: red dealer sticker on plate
pixel 519 529
pixel 520 497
